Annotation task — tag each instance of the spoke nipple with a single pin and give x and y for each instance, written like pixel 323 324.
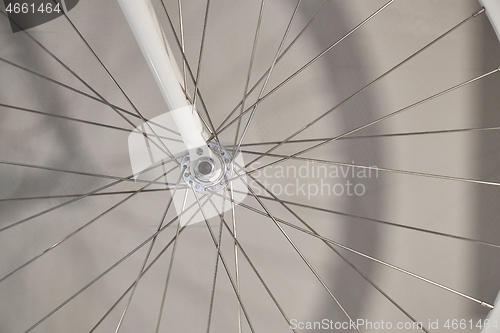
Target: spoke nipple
pixel 487 305
pixel 479 12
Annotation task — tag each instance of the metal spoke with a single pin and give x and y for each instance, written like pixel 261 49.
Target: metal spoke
pixel 386 135
pixel 366 278
pixel 279 58
pixel 291 225
pixel 444 92
pixel 392 224
pixel 147 268
pixel 214 283
pixel 68 87
pixel 292 243
pixel 259 276
pixel 53 56
pixel 64 117
pixel 170 265
pixel 112 78
pixel 266 81
pixel 183 50
pixel 377 79
pixel 198 70
pixel 116 83
pixel 261 279
pixel 72 200
pixel 100 276
pixel 114 107
pixel 150 249
pixel 85 83
pixel 249 74
pixel 485 304
pixel 235 246
pixel 421 50
pixel 191 75
pixel 59 206
pixel 306 66
pixel 92 195
pixel 376 168
pixel 448 131
pixel 81 173
pixel 226 268
pixel 132 285
pixel 55 245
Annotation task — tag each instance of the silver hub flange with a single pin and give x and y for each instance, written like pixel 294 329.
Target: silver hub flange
pixel 207 175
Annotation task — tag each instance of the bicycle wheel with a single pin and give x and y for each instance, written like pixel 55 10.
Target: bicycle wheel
pixel 372 200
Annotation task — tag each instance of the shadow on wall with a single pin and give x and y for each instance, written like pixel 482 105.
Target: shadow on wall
pixel 358 235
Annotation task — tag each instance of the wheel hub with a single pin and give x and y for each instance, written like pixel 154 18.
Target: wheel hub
pixel 208 174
